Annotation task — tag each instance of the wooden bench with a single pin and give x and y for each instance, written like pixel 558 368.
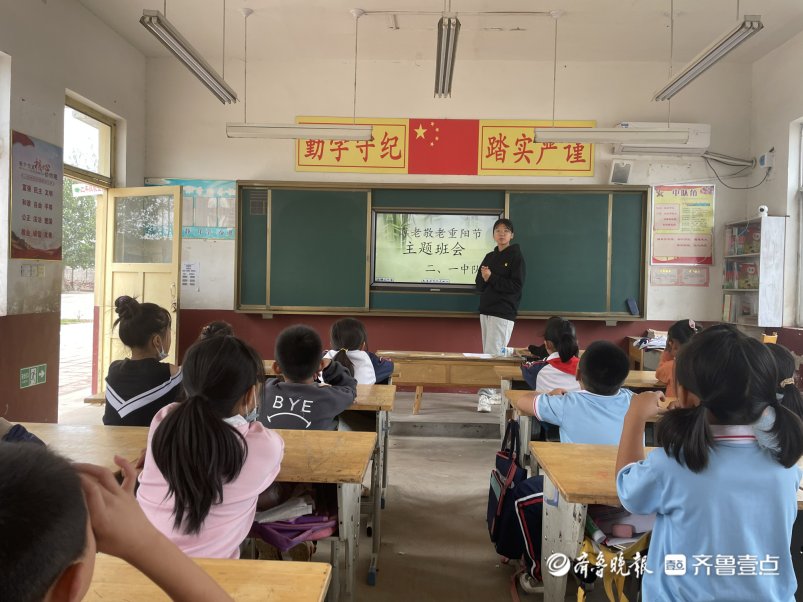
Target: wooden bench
pixel 244 580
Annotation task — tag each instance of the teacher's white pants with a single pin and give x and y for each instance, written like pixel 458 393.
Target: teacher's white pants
pixel 495 335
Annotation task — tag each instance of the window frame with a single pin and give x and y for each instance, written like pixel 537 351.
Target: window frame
pixel 84 174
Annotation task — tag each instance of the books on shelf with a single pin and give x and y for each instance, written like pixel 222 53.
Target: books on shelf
pixel 747 274
pixel 752 239
pixel 743 239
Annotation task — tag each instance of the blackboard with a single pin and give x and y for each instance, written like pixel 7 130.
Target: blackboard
pixel 307 249
pixel 584 250
pixel 318 249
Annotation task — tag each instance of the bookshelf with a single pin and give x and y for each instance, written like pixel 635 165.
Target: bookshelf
pixel 752 285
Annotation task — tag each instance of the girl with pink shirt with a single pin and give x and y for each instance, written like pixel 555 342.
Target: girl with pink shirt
pixel 208 458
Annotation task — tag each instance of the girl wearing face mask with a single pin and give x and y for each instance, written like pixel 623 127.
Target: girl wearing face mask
pixel 139 386
pixel 208 459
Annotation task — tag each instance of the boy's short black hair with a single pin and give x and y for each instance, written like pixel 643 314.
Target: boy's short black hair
pixel 298 352
pixel 43 520
pixel 603 368
pixel 503 221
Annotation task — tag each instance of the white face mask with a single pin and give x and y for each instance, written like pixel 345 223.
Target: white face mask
pixel 162 353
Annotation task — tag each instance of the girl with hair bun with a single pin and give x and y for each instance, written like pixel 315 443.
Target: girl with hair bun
pixel 139 386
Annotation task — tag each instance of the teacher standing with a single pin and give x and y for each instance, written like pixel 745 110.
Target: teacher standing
pixel 499 280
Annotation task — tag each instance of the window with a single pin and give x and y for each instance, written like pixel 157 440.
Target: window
pixel 88 144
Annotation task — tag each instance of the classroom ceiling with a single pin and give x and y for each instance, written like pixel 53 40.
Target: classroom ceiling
pixel 588 30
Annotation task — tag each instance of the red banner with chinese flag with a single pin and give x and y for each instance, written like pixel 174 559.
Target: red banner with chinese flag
pixel 447 147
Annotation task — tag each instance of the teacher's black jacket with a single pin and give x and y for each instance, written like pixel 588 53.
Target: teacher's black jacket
pixel 500 296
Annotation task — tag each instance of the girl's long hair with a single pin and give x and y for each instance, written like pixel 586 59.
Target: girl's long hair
pixel 347 334
pixel 562 335
pixel 735 378
pixel 196 451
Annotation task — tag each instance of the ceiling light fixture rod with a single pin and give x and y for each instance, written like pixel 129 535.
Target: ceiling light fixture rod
pixel 246 12
pixel 749 26
pixel 156 22
pixel 224 39
pixel 356 13
pixel 556 14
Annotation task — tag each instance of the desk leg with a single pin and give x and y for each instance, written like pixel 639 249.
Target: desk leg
pixel 506 385
pixel 386 441
pixel 333 595
pixel 376 496
pixel 525 433
pixel 348 523
pixel 419 393
pixel 564 525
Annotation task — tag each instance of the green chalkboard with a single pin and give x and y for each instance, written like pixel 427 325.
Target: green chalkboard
pixel 571 267
pixel 318 249
pixel 307 249
pixel 252 245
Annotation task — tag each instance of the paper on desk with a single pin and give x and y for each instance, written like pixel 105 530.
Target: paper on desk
pixel 485 356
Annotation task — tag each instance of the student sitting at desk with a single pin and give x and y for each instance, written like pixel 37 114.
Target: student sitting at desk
pixel 724 488
pixel 559 369
pixel 299 402
pixel 349 342
pixel 208 460
pixel 56 515
pixel 595 413
pixel 139 386
pixel 677 336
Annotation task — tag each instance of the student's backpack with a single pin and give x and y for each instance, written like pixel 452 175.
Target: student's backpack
pixel 505 478
pixel 529 510
pixel 285 534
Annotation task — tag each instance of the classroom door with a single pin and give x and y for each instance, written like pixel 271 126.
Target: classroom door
pixel 143 247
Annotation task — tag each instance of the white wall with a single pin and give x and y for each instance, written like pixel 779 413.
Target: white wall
pixel 56 47
pixel 777 113
pixel 186 127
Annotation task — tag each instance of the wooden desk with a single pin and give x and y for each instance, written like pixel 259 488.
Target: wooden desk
pixel 435 369
pixel 575 476
pixel 336 457
pixel 370 398
pixel 244 580
pixel 636 379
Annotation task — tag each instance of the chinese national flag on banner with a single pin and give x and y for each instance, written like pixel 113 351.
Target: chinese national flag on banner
pixel 443 146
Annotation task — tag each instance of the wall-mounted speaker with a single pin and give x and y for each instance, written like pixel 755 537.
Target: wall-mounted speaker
pixel 620 171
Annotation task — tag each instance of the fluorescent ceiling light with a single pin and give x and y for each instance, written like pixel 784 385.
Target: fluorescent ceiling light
pixel 448 29
pixel 612 135
pixel 708 57
pixel 323 131
pixel 155 22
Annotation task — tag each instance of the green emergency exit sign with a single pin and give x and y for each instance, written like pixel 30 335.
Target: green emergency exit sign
pixel 33 375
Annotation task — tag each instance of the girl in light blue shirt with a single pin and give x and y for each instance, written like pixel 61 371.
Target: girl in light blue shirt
pixel 724 483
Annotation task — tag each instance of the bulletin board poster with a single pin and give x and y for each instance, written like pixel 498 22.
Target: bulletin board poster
pixel 683 225
pixel 209 207
pixel 37 174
